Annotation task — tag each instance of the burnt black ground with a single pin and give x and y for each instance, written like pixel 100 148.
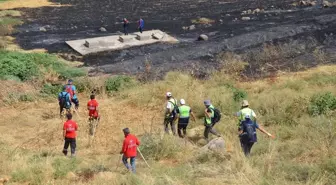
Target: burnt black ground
pixel 83 18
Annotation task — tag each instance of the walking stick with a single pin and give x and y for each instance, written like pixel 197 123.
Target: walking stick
pixel 143 157
pixel 118 163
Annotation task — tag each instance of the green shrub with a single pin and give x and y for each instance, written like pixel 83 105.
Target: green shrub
pixel 63 166
pixel 239 95
pixel 27 66
pixel 26 97
pixel 118 83
pixel 50 89
pixel 322 103
pixel 154 147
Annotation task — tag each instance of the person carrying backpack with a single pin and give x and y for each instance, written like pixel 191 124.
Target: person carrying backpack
pixel 248 135
pixel 170 113
pixel 64 101
pixel 71 89
pixel 245 110
pixel 210 119
pixel 183 115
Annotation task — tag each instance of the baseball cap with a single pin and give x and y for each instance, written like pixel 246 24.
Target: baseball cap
pixel 182 101
pixel 168 94
pixel 207 102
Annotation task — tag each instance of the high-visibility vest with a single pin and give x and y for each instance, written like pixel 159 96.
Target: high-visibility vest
pixel 208 120
pixel 184 111
pixel 245 111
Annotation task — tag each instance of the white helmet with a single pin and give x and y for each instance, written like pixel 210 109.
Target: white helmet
pixel 182 102
pixel 169 94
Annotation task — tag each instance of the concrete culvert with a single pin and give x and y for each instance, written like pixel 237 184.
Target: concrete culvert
pixel 203 37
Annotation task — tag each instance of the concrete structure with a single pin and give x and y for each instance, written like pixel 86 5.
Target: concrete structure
pixel 117 42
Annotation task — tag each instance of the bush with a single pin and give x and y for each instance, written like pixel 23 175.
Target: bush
pixel 118 83
pixel 322 103
pixel 63 166
pixel 154 147
pixel 239 95
pixel 27 66
pixel 51 89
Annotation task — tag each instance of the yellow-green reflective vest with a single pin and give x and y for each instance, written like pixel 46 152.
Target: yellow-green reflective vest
pixel 245 111
pixel 184 111
pixel 208 121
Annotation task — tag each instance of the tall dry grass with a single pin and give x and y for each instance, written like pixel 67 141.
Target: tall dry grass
pixel 303 152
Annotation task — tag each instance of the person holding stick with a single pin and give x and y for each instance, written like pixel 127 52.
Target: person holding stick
pixel 129 149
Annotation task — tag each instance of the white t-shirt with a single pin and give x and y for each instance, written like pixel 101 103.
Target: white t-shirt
pixel 170 105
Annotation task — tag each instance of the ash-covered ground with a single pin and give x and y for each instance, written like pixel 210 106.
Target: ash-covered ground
pixel 304 28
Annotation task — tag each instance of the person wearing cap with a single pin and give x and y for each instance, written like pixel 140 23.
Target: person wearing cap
pixel 245 110
pixel 129 149
pixel 71 89
pixel 69 134
pixel 183 115
pixel 248 135
pixel 170 113
pixel 208 120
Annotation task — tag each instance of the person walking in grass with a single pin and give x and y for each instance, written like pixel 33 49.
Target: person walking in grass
pixel 170 113
pixel 92 107
pixel 129 149
pixel 71 89
pixel 248 135
pixel 209 115
pixel 183 115
pixel 69 133
pixel 141 25
pixel 64 101
pixel 245 110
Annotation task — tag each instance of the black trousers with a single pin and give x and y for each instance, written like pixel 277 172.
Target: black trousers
pixel 246 146
pixel 72 143
pixel 182 127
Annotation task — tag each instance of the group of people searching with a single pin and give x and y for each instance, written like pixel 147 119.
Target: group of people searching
pixel 247 121
pixel 126 23
pixel 247 124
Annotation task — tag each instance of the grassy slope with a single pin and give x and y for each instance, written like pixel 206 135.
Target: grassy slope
pixel 303 152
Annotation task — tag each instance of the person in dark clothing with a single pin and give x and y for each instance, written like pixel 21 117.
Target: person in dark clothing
pixel 126 23
pixel 248 134
pixel 141 25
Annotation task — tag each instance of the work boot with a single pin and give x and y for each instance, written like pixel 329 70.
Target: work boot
pixel 65 152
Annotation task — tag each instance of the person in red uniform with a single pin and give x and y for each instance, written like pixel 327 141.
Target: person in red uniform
pixel 92 106
pixel 69 133
pixel 129 149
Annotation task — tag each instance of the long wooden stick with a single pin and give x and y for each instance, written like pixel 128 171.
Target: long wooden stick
pixel 143 157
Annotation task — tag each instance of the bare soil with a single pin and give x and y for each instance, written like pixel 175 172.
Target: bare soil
pixel 279 23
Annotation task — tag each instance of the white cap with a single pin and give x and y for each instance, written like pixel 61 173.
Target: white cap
pixel 182 102
pixel 245 103
pixel 168 94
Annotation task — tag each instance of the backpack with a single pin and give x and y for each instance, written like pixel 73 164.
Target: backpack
pixel 63 100
pixel 69 90
pixel 249 131
pixel 217 115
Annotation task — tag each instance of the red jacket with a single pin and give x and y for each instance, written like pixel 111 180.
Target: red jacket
pixel 130 145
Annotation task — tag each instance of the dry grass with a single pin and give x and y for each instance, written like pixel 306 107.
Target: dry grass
pixel 301 154
pixel 25 4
